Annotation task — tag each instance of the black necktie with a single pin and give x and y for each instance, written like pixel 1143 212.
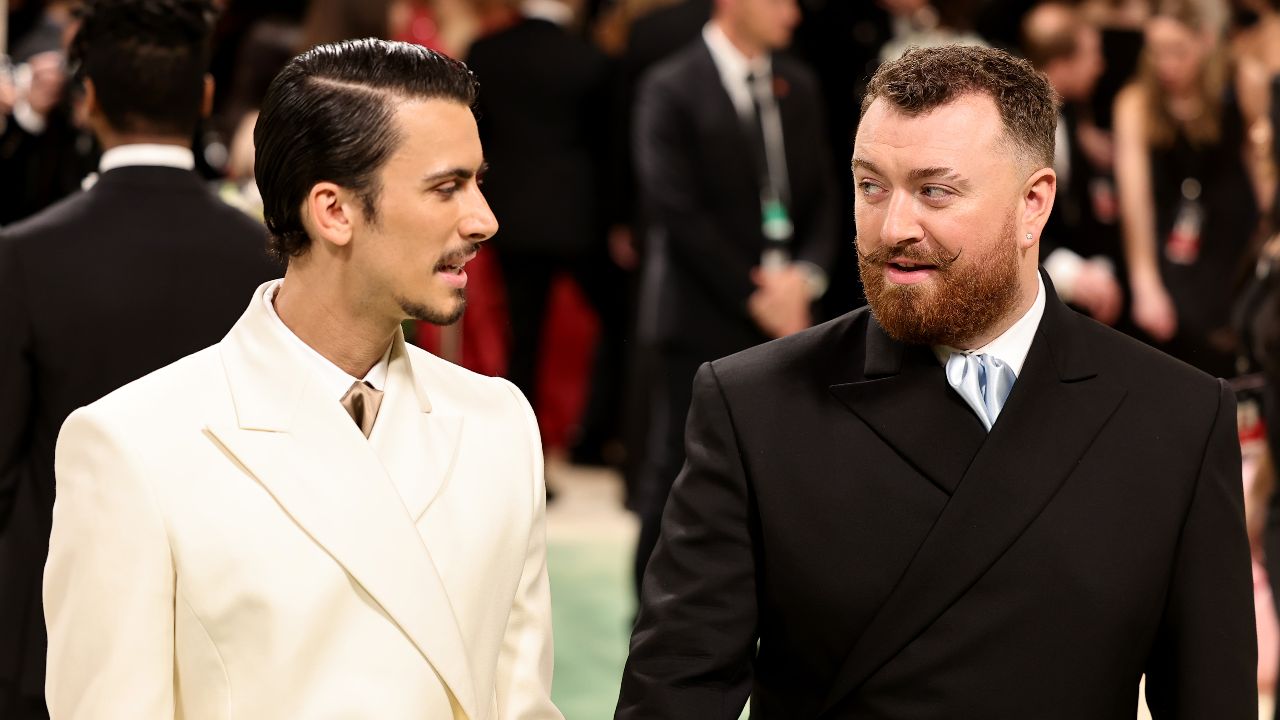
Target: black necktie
pixel 759 145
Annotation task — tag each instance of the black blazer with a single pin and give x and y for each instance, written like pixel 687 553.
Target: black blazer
pixel 844 507
pixel 96 291
pixel 651 38
pixel 701 199
pixel 1074 224
pixel 542 111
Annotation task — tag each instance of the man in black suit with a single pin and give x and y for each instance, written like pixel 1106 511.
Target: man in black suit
pixel 143 268
pixel 733 166
pixel 968 501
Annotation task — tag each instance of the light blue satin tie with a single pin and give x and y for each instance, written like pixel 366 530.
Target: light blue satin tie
pixel 984 381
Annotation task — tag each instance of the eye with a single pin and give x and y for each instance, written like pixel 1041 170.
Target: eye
pixel 870 189
pixel 935 192
pixel 449 188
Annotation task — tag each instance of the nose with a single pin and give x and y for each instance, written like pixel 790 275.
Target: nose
pixel 478 222
pixel 901 224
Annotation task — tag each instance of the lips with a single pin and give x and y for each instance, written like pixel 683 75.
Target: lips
pixel 906 265
pixel 454 262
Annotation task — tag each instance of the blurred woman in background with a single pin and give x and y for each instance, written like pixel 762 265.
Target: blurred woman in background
pixel 1194 174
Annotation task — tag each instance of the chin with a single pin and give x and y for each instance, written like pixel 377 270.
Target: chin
pixel 441 312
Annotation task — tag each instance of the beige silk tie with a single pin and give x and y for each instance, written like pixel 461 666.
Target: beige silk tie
pixel 361 402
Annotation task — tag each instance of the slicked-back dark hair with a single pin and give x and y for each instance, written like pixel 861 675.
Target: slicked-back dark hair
pixel 329 116
pixel 147 60
pixel 926 78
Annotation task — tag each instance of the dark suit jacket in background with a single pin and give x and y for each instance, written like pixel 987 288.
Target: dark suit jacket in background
pixel 651 38
pixel 543 118
pixel 843 505
pixel 96 291
pixel 1074 224
pixel 39 170
pixel 700 194
pixel 701 198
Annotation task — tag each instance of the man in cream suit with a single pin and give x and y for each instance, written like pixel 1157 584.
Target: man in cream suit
pixel 312 518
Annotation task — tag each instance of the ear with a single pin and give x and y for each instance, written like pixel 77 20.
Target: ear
pixel 328 214
pixel 206 103
pixel 1037 202
pixel 91 106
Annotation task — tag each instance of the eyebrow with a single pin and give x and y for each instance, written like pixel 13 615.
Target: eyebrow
pixel 915 174
pixel 458 173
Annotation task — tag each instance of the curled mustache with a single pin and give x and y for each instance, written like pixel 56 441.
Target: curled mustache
pixel 914 253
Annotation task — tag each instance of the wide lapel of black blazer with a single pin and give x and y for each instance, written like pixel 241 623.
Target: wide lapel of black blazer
pixel 713 99
pixel 904 398
pixel 1059 404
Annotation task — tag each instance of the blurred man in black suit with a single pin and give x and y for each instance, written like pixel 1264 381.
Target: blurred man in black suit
pixel 739 201
pixel 542 121
pixel 1081 245
pixel 141 269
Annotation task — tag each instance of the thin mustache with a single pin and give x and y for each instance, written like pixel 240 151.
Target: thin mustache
pixel 458 256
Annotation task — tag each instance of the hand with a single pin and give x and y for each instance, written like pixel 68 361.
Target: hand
pixel 1153 311
pixel 47 79
pixel 8 93
pixel 780 305
pixel 622 247
pixel 1097 291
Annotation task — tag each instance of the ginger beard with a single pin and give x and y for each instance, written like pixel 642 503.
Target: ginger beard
pixel 969 294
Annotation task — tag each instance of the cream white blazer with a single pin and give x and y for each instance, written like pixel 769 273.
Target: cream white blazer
pixel 227 544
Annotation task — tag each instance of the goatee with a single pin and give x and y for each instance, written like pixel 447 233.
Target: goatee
pixel 436 316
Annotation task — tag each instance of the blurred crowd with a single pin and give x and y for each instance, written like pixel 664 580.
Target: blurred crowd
pixel 657 213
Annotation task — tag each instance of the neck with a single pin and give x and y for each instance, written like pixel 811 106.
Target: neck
pixel 109 139
pixel 749 49
pixel 325 313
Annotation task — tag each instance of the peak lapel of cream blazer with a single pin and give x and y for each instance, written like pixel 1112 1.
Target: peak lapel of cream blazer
pixel 415 439
pixel 306 452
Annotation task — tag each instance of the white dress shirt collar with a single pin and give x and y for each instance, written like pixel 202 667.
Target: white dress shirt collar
pixel 553 11
pixel 734 67
pixel 173 156
pixel 333 379
pixel 1013 344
